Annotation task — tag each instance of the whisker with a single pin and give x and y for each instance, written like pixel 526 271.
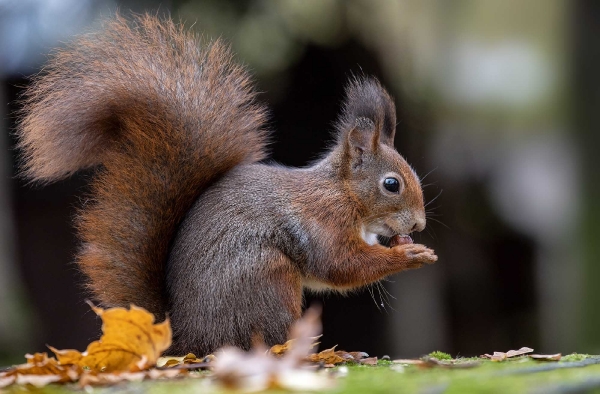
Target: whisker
pixel 426 175
pixel 430 184
pixel 434 198
pixel 387 292
pixel 431 232
pixel 387 296
pixel 370 289
pixel 378 287
pixel 443 224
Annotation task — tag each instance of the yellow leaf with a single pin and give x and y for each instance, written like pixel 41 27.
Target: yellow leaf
pixel 130 342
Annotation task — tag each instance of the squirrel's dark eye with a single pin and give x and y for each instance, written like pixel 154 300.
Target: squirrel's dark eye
pixel 391 185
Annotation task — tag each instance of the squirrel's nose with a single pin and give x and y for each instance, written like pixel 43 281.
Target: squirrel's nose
pixel 419 224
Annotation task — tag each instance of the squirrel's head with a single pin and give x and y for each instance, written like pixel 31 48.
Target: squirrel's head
pixel 388 189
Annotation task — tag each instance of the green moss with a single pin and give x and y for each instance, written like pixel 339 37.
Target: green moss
pixel 440 355
pixel 575 357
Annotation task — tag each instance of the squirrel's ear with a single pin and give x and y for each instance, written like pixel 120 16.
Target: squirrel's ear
pixel 363 136
pixel 366 99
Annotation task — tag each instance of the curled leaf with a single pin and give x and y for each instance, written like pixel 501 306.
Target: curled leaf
pixel 131 342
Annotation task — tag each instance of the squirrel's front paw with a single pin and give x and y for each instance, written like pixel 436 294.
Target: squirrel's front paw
pixel 415 255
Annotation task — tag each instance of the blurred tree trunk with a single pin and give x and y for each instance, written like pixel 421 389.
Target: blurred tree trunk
pixel 586 74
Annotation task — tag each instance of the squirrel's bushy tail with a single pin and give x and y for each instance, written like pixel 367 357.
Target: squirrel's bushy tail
pixel 164 117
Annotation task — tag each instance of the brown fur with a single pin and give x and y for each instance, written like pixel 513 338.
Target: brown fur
pixel 182 219
pixel 155 110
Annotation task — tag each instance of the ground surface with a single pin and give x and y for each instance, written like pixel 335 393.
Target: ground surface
pixel 574 374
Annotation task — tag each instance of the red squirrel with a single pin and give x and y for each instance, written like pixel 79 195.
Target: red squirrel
pixel 183 217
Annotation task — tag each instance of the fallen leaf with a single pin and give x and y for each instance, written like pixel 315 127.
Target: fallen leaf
pixel 497 356
pixel 279 350
pixel 546 357
pixel 369 361
pixel 501 356
pixel 327 356
pixel 190 358
pixel 520 352
pixel 130 342
pixel 39 371
pixel 358 355
pixel 172 363
pixel 346 356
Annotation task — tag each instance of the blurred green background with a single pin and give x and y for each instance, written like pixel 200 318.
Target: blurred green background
pixel 497 103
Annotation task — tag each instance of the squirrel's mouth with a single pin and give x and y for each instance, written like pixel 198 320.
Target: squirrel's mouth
pixel 385 235
pixel 394 240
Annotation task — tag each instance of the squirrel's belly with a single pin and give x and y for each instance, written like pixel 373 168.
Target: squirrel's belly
pixel 317 286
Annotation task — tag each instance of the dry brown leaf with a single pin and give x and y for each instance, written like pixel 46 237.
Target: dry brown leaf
pixel 358 355
pixel 191 358
pixel 130 342
pixel 39 371
pixel 279 350
pixel 546 357
pixel 497 356
pixel 369 361
pixel 327 356
pixel 520 352
pixel 501 356
pixel 168 361
pixel 40 364
pixel 189 362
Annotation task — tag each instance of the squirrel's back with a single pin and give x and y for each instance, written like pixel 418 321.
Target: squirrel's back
pixel 163 117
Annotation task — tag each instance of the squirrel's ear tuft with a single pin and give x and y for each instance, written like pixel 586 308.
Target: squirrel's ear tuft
pixel 366 99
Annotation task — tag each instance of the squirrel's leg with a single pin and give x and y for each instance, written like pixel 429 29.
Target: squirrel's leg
pixel 363 263
pixel 281 299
